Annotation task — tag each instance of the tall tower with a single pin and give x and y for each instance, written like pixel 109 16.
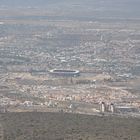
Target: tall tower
pixel 111 108
pixel 102 107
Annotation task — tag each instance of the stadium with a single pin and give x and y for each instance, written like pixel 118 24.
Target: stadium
pixel 65 73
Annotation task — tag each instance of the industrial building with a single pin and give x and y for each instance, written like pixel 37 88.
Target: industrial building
pixel 126 109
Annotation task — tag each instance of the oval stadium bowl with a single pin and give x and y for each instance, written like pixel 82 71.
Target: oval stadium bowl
pixel 65 73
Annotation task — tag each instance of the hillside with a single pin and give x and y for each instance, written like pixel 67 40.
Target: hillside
pixel 61 126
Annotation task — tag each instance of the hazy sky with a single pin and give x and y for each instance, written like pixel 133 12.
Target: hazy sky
pixel 124 8
pixel 126 3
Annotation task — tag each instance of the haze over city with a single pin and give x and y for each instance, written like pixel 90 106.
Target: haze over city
pixel 69 69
